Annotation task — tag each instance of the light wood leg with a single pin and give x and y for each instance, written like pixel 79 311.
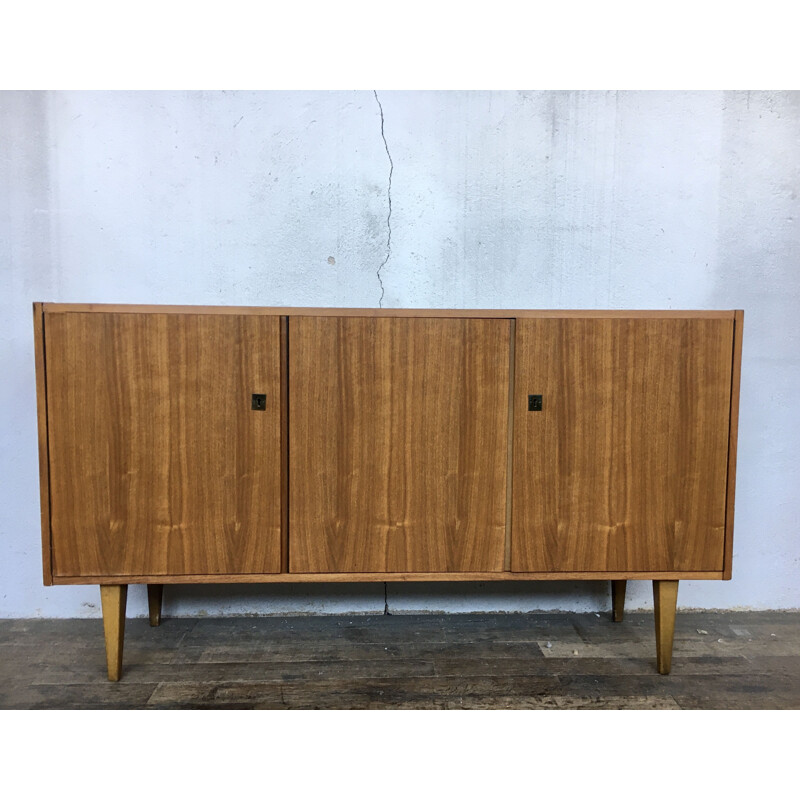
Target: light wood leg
pixel 155 593
pixel 618 599
pixel 114 599
pixel 665 597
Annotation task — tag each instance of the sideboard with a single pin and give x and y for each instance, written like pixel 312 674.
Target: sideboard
pixel 182 444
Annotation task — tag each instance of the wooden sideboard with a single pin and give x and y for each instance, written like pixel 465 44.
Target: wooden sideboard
pixel 182 444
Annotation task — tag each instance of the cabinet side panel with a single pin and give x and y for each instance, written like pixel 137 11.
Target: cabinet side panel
pixel 624 468
pixel 44 461
pixel 398 444
pixel 158 464
pixel 732 442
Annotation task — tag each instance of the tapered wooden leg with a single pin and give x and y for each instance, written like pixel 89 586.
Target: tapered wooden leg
pixel 155 593
pixel 665 597
pixel 618 599
pixel 114 599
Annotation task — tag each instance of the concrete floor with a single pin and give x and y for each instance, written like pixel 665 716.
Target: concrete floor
pixel 722 660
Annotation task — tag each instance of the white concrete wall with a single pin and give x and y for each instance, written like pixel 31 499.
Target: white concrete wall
pixel 499 199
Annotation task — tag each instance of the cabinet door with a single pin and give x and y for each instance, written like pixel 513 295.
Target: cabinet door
pixel 158 464
pixel 398 444
pixel 624 467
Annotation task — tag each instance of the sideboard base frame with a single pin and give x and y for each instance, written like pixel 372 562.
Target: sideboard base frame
pixel 114 598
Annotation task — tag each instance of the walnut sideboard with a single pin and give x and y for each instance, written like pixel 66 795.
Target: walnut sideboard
pixel 182 444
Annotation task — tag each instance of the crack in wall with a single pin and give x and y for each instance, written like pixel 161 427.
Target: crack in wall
pixel 383 264
pixel 389 194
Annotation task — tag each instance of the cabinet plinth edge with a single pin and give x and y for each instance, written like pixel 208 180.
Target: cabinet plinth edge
pixel 383 577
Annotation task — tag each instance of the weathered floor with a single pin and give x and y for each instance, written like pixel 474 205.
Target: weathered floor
pixel 725 660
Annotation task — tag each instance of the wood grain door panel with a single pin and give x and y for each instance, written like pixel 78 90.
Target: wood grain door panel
pixel 625 466
pixel 158 464
pixel 398 444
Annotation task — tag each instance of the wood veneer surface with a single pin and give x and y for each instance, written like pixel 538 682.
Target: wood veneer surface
pixel 158 465
pixel 398 444
pixel 625 466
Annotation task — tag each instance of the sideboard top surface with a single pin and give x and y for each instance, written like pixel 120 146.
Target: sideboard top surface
pixel 66 308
